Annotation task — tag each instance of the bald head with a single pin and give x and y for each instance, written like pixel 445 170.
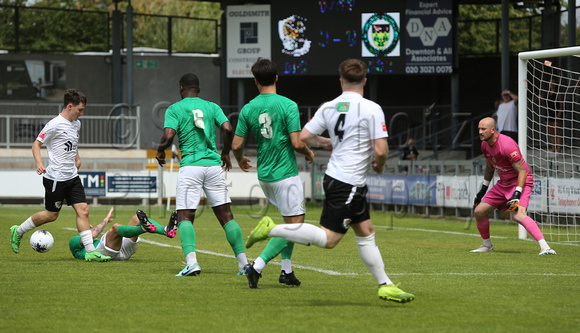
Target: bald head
pixel 487 131
pixel 487 122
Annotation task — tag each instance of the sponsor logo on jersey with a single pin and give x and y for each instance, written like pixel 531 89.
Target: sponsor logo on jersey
pixel 343 106
pixel 514 154
pixel 68 146
pixel 384 126
pixel 42 135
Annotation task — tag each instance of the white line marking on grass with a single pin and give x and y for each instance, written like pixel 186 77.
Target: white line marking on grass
pixel 488 274
pixel 469 235
pixel 325 271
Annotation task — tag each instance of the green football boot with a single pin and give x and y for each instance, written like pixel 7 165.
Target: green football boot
pixel 15 239
pixel 261 231
pixel 393 293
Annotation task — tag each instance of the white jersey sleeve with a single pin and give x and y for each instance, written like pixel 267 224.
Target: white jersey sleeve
pixel 352 123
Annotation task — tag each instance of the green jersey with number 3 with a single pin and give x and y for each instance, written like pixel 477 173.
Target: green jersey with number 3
pixel 271 118
pixel 194 120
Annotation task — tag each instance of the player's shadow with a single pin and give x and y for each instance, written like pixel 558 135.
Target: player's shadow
pixel 340 303
pixel 507 251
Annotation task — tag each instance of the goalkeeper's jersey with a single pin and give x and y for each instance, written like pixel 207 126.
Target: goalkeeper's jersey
pixel 352 122
pixel 502 155
pixel 77 249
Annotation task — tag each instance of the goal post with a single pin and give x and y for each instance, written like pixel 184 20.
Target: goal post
pixel 549 138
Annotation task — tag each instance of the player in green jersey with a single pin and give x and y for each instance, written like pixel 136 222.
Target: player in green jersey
pixel 274 121
pixel 121 241
pixel 194 121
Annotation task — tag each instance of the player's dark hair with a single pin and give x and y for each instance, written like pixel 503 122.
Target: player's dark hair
pixel 74 97
pixel 189 81
pixel 264 70
pixel 353 70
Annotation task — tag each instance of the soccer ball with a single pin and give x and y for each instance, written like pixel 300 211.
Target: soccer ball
pixel 41 241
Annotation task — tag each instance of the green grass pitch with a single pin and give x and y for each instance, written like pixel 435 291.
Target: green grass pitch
pixel 510 290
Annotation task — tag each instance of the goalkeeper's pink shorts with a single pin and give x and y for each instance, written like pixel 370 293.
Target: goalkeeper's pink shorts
pixel 500 193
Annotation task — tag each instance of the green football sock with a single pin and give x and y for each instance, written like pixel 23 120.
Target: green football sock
pixel 187 236
pixel 160 229
pixel 130 231
pixel 274 247
pixel 234 236
pixel 287 251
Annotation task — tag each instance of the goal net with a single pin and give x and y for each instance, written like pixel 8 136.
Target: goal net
pixel 549 138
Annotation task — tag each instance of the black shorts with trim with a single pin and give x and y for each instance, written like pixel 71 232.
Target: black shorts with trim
pixel 344 205
pixel 72 190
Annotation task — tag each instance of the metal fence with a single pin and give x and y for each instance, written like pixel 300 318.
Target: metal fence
pixel 48 30
pixel 118 126
pixel 113 126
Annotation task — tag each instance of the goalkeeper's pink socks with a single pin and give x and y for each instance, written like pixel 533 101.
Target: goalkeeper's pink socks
pixel 483 227
pixel 532 228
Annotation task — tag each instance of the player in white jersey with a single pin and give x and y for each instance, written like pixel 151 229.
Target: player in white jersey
pixel 358 133
pixel 60 179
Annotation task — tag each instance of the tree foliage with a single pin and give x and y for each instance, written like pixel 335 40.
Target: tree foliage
pixel 85 25
pixel 479 29
pixel 188 35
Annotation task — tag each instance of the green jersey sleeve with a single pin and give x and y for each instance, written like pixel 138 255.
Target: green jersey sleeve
pixel 242 127
pixel 293 119
pixel 171 119
pixel 220 117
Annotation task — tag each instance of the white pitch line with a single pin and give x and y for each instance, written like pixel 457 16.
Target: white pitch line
pixel 439 231
pixel 325 271
pixel 488 274
pixel 469 235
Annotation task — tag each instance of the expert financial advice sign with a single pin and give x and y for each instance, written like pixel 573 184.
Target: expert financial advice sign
pixel 248 38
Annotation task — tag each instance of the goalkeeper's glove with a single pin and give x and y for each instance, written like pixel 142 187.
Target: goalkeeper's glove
pixel 514 202
pixel 481 193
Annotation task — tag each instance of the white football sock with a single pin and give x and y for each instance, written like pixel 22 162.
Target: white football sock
pixel 242 260
pixel 487 242
pixel 191 258
pixel 259 264
pixel 543 244
pixel 87 240
pixel 26 226
pixel 301 233
pixel 287 265
pixel 371 256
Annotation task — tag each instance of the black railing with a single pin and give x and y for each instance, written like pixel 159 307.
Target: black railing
pixel 55 30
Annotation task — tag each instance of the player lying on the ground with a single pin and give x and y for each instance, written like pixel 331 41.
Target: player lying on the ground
pixel 121 241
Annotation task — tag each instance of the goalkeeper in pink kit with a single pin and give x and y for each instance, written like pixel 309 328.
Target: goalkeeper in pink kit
pixel 513 189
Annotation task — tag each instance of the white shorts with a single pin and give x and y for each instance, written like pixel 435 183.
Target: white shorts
pixel 287 195
pixel 193 180
pixel 128 248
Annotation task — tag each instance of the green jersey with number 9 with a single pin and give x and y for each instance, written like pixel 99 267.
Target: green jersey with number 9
pixel 194 120
pixel 271 118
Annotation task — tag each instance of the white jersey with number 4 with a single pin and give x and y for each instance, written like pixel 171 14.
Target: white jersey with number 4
pixel 61 137
pixel 352 122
